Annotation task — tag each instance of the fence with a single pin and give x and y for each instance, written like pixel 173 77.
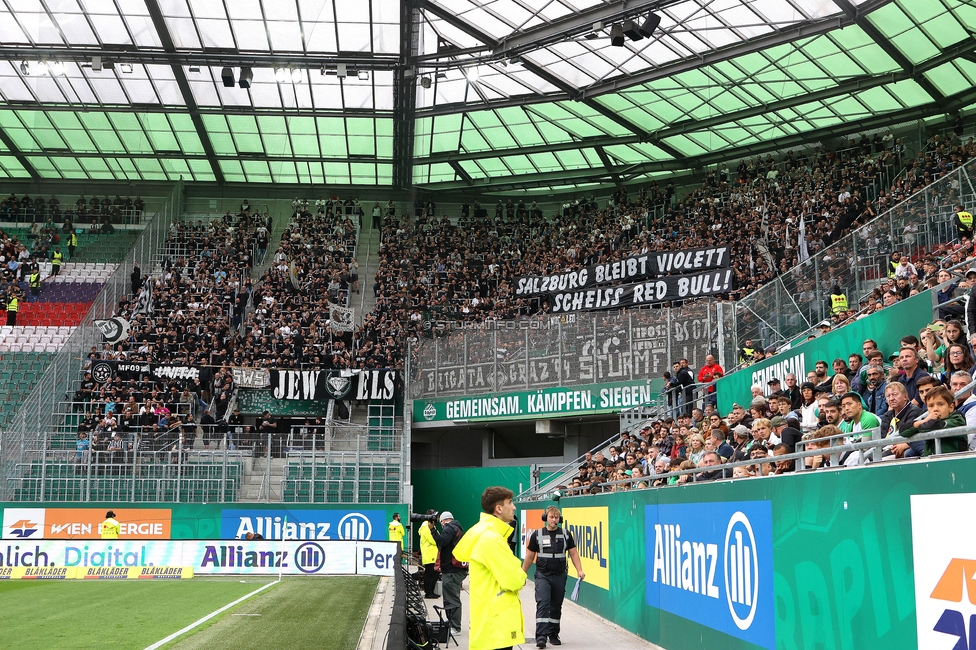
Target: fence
pixel 139 470
pixel 36 416
pixel 858 262
pixel 570 350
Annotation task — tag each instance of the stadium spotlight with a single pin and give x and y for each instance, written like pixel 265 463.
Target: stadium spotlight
pixel 425 81
pixel 40 68
pixel 56 68
pixel 281 75
pixel 296 75
pixel 341 70
pixel 363 75
pixel 194 68
pixel 472 75
pixel 126 68
pixel 652 22
pixel 617 36
pixel 227 74
pixel 631 31
pixel 246 75
pixel 96 64
pixel 25 69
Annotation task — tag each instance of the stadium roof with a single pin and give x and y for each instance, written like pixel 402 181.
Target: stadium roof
pixel 495 94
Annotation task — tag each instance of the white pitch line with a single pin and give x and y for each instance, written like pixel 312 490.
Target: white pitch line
pixel 178 633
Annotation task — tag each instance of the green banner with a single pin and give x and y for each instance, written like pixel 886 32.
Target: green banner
pixel 543 403
pixel 838 559
pixel 887 327
pixel 257 401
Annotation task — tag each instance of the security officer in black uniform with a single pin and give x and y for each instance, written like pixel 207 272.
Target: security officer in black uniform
pixel 548 548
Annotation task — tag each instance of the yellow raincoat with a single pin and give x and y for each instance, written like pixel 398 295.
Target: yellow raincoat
pixel 496 577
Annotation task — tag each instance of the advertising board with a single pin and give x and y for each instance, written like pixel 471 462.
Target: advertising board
pixel 60 559
pixel 84 523
pixel 590 528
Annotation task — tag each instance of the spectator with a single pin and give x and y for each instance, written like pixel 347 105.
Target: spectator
pixel 909 372
pixel 942 414
pixel 900 416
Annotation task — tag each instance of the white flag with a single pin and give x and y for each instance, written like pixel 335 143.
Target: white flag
pixel 113 329
pixel 343 318
pixel 801 243
pixel 575 595
pixel 144 303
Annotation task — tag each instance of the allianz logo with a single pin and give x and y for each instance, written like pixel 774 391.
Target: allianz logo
pixel 691 565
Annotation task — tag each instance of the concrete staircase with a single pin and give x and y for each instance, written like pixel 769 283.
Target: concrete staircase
pixel 369 246
pixel 255 488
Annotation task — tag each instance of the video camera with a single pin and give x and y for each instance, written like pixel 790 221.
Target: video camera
pixel 416 516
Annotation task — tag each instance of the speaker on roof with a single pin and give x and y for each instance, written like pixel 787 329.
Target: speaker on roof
pixel 652 22
pixel 617 36
pixel 246 76
pixel 631 31
pixel 227 74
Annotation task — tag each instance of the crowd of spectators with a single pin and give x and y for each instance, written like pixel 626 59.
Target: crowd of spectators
pixel 39 209
pixel 313 268
pixel 465 269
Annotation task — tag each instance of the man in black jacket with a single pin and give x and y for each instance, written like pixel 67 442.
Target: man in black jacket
pixel 686 379
pixel 452 572
pixel 901 415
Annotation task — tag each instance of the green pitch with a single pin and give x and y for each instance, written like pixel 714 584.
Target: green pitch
pixel 73 614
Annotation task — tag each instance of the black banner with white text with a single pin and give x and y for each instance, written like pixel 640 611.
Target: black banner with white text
pixel 317 385
pixel 672 287
pixel 636 267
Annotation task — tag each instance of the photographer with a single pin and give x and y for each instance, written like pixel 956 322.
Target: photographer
pixel 428 555
pixel 453 572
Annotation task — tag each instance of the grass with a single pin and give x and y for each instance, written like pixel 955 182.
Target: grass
pixel 77 615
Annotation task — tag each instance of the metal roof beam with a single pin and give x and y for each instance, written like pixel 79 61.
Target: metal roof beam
pixel 405 96
pixel 460 171
pixel 860 19
pixel 608 164
pixel 16 153
pixel 952 103
pixel 203 110
pixel 191 105
pixel 458 23
pixel 209 58
pixel 574 25
pixel 854 85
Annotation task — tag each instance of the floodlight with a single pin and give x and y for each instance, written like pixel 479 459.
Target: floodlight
pixel 340 70
pixel 40 68
pixel 281 75
pixel 126 68
pixel 296 75
pixel 425 81
pixel 364 75
pixel 652 22
pixel 227 75
pixel 617 35
pixel 471 74
pixel 25 69
pixel 56 68
pixel 246 75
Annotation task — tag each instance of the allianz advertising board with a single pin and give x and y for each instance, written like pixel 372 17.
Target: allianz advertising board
pixel 298 524
pixel 712 563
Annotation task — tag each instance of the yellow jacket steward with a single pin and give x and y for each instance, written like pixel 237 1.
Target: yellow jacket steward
pixel 496 578
pixel 428 547
pixel 838 303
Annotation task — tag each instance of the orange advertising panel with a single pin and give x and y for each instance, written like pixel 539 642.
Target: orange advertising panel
pixel 85 523
pixel 531 520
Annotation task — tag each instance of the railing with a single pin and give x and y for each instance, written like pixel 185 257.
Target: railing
pixel 36 416
pixel 137 470
pixel 868 453
pixel 796 300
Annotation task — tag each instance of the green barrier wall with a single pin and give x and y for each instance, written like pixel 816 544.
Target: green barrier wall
pixel 459 489
pixel 842 556
pixel 887 327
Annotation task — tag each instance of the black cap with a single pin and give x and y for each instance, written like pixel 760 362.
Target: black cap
pixel 808 384
pixel 772 382
pixel 110 514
